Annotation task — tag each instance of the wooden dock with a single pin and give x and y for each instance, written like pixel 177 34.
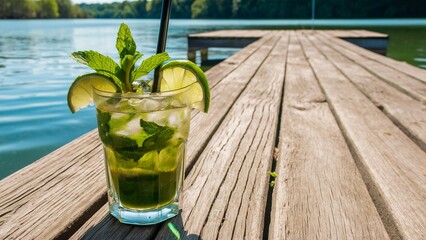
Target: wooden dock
pixel 344 129
pixel 373 41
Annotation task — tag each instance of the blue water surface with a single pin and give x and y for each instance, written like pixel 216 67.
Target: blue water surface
pixel 36 72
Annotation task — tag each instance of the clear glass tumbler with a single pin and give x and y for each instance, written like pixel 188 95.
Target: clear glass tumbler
pixel 144 138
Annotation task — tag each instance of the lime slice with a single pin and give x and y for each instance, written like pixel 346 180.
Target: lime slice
pixel 181 73
pixel 80 93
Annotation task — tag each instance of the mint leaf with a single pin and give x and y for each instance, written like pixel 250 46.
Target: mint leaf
pixel 125 43
pixel 96 61
pixel 160 136
pixel 158 141
pixel 164 135
pixel 149 64
pixel 150 127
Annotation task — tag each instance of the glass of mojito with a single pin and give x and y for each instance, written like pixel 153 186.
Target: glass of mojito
pixel 144 137
pixel 143 133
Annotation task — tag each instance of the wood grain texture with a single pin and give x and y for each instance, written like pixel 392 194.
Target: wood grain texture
pixel 393 167
pixel 35 200
pixel 397 71
pixel 91 224
pixel 221 70
pixel 205 125
pixel 404 111
pixel 319 193
pixel 226 191
pixel 411 70
pixel 411 86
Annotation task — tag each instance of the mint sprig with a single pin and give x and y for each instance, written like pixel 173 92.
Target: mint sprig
pixel 125 73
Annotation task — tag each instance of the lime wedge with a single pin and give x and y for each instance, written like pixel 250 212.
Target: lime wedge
pixel 80 93
pixel 181 73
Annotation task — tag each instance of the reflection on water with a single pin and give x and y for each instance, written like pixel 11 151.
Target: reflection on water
pixel 36 72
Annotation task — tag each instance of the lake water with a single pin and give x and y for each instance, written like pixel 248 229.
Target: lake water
pixel 36 70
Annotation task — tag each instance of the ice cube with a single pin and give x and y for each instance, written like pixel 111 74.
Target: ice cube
pixel 128 125
pixel 158 117
pixel 174 119
pixel 148 105
pixel 131 127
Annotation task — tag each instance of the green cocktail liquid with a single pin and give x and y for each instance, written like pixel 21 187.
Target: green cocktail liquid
pixel 144 155
pixel 144 189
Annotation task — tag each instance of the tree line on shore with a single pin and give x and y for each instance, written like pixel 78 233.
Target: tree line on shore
pixel 222 9
pixel 28 9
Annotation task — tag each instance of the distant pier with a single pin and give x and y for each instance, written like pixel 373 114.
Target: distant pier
pixel 373 41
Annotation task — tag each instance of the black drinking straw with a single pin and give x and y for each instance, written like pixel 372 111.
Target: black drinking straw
pixel 162 38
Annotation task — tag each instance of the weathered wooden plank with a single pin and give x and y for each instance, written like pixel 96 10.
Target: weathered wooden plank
pixel 204 125
pixel 411 86
pixel 69 182
pixel 319 193
pixel 404 111
pixel 226 192
pixel 221 70
pixel 403 66
pixel 393 167
pixel 415 72
pixel 91 223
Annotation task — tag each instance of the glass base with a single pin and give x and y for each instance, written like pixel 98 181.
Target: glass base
pixel 147 217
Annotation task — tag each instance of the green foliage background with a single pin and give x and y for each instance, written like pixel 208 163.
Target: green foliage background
pixel 222 9
pixel 26 9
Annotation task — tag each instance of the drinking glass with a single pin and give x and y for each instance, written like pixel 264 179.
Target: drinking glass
pixel 143 137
